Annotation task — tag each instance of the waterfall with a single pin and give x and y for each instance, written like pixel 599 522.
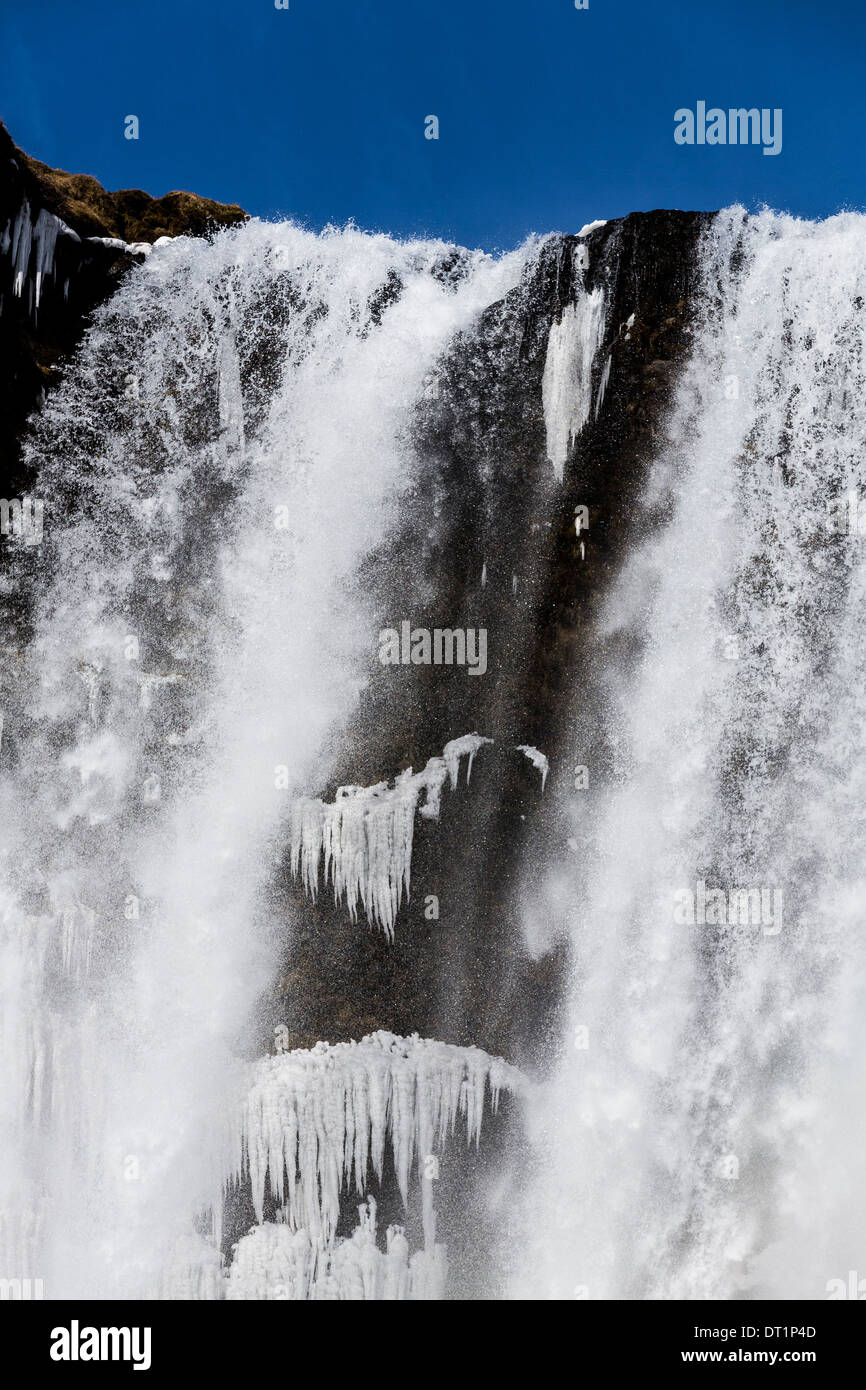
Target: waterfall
pixel 229 445
pixel 702 1131
pixel 643 482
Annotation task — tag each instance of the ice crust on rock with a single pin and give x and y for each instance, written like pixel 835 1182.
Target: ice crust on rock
pixel 592 226
pixel 465 747
pixel 537 759
pixel 274 1262
pixel 363 839
pixel 134 248
pixel 319 1120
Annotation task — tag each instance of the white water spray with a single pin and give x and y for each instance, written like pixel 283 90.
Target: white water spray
pixel 227 449
pixel 703 1135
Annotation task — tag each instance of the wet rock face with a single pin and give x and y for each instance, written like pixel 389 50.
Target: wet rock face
pixel 489 541
pixel 78 273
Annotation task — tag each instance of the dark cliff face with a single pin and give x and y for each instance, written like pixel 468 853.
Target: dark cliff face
pixel 486 501
pixel 55 216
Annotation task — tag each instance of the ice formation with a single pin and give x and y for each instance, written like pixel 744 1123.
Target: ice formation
pixel 566 388
pixel 315 1126
pixel 363 839
pixel 537 759
pixel 318 1121
pixel 602 385
pixel 28 236
pixel 34 241
pixel 275 1262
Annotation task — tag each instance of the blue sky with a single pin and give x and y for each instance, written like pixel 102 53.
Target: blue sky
pixel 549 116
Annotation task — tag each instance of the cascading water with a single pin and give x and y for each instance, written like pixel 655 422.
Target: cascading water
pixel 246 428
pixel 229 445
pixel 702 1135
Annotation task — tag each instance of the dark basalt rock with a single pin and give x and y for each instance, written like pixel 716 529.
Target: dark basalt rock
pixel 485 495
pixel 34 341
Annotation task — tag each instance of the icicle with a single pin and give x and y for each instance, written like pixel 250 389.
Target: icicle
pixel 21 241
pixel 602 385
pixel 537 759
pixel 466 746
pixel 40 236
pixel 45 242
pixel 567 383
pixel 317 1121
pixel 364 838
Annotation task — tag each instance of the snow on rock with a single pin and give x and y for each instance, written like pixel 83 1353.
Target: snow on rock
pixel 566 388
pixel 363 839
pixel 591 227
pixel 135 248
pixel 537 759
pixel 318 1121
pixel 274 1262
